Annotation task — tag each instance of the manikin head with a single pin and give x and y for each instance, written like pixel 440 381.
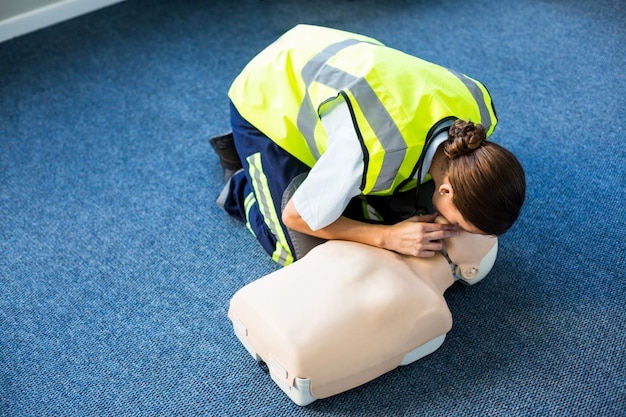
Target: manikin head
pixel 479 186
pixel 473 254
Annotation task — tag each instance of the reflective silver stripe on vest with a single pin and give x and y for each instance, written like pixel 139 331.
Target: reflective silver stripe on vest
pixel 307 114
pixel 477 93
pixel 383 125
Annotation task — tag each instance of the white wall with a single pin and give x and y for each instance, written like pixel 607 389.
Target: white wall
pixel 18 17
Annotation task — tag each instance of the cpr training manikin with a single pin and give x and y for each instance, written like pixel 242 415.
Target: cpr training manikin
pixel 347 313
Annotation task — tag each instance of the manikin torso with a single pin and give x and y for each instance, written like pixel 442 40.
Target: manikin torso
pixel 346 312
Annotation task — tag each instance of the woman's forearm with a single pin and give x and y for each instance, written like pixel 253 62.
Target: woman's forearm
pixel 341 229
pixel 417 236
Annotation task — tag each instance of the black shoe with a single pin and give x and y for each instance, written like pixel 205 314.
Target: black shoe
pixel 224 147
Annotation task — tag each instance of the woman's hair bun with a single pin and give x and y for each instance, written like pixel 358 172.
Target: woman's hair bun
pixel 464 138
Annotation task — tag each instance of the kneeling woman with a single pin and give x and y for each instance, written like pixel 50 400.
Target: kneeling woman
pixel 331 129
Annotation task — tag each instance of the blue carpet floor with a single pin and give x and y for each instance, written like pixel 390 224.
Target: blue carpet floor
pixel 116 266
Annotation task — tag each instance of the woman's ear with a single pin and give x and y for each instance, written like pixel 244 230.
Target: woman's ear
pixel 445 189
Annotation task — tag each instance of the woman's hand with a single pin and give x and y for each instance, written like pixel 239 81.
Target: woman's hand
pixel 417 236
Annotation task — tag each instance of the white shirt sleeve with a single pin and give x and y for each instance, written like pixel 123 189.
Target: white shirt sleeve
pixel 336 176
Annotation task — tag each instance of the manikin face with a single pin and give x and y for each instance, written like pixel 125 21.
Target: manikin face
pixel 442 201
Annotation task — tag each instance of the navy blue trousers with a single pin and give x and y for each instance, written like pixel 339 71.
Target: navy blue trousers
pixel 256 193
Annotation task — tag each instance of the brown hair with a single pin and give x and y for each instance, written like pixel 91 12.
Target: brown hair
pixel 488 181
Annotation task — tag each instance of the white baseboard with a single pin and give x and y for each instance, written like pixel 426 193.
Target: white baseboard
pixel 42 17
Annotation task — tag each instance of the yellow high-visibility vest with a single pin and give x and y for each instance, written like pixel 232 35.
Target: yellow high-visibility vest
pixel 397 101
